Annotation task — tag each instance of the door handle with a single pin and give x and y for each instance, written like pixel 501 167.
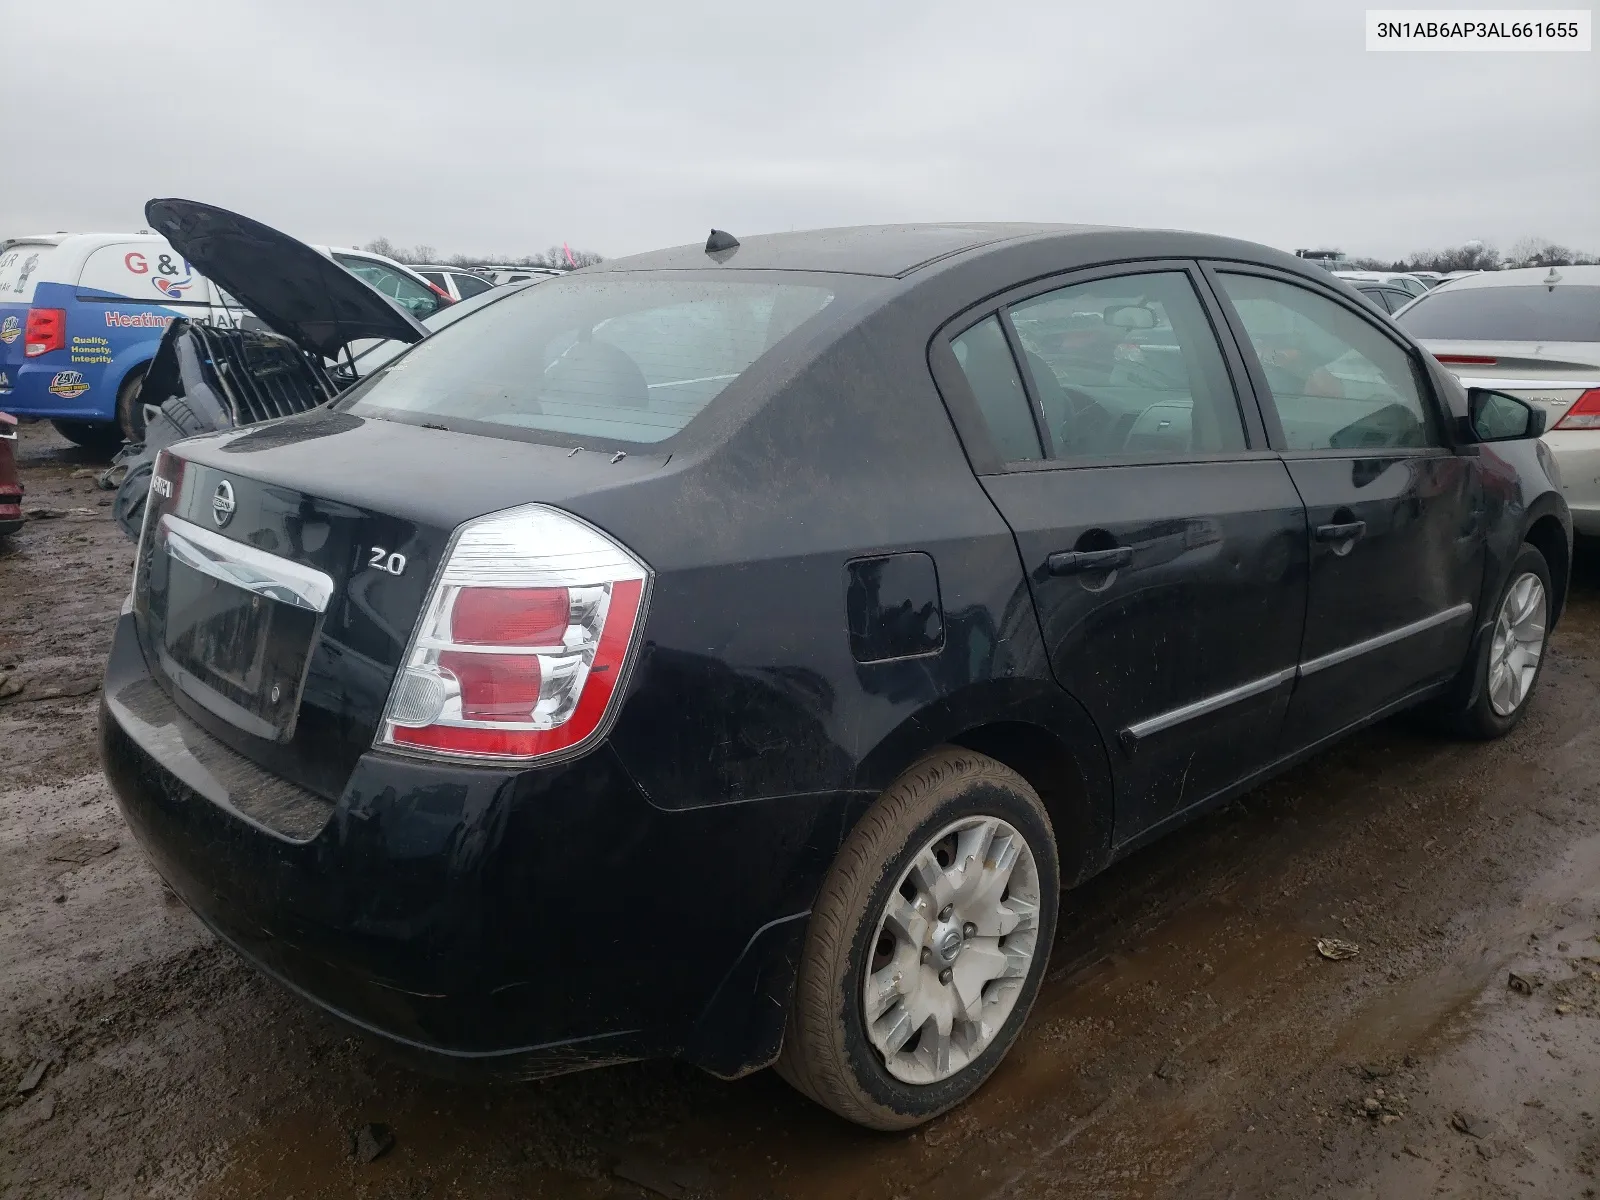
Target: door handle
pixel 1340 532
pixel 1077 562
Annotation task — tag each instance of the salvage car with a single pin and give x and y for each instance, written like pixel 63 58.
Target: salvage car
pixel 419 296
pixel 1533 332
pixel 1384 298
pixel 294 352
pixel 731 652
pixel 456 282
pixel 1401 281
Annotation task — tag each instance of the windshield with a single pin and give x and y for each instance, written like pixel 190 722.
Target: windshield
pixel 1533 313
pixel 624 358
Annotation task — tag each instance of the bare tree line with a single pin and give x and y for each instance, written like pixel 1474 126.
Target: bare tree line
pixel 1482 256
pixel 555 256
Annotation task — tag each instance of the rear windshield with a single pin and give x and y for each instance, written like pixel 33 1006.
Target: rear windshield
pixel 1563 313
pixel 621 358
pixel 19 270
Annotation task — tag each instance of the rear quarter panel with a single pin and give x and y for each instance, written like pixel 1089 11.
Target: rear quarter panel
pixel 746 687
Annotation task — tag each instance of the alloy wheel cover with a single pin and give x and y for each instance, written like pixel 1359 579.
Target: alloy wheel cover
pixel 952 950
pixel 1517 644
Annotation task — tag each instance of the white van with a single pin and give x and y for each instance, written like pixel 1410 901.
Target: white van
pixel 80 317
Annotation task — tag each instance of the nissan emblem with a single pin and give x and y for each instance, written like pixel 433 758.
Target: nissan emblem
pixel 222 505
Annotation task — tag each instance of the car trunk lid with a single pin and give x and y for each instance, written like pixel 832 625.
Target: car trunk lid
pixel 283 568
pixel 1550 374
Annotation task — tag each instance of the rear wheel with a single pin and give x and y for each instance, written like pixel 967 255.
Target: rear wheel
pixel 130 413
pixel 927 944
pixel 1508 663
pixel 100 436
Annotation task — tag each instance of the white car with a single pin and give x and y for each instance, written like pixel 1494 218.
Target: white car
pixel 503 275
pixel 458 282
pixel 395 280
pixel 1535 333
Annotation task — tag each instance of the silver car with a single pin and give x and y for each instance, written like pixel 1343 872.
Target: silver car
pixel 1533 332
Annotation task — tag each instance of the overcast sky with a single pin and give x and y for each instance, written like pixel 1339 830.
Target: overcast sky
pixel 507 125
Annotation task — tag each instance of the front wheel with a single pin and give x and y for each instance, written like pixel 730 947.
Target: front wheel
pixel 927 944
pixel 1508 663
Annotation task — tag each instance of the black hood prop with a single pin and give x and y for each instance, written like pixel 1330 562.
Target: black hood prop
pixel 291 288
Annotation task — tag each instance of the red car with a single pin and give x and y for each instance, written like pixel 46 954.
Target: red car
pixel 10 486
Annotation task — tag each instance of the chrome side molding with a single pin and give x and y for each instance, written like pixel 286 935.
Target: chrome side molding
pixel 1355 650
pixel 1208 704
pixel 1256 687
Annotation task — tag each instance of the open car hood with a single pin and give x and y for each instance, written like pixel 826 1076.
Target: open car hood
pixel 292 289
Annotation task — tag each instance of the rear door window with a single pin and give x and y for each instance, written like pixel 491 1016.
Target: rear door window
pixel 1129 366
pixel 619 358
pixel 1379 296
pixel 471 285
pixel 1517 313
pixel 991 373
pixel 1338 382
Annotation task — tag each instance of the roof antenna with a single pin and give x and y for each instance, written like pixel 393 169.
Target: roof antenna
pixel 721 241
pixel 1552 279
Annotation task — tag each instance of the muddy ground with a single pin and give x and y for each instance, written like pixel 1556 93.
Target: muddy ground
pixel 1189 1040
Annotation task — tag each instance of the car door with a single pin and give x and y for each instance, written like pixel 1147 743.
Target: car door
pixel 1393 514
pixel 1164 544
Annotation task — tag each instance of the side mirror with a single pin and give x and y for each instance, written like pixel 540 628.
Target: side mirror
pixel 1502 417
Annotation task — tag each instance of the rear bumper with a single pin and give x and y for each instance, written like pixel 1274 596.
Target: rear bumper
pixel 1577 451
pixel 529 922
pixel 30 394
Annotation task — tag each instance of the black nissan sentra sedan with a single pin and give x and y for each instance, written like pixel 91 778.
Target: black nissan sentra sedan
pixel 731 652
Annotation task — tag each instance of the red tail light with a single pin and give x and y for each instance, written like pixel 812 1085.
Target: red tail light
pixel 1467 360
pixel 523 643
pixel 46 331
pixel 510 616
pixel 1584 414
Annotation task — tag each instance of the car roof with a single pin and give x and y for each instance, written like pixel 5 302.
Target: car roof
pixel 36 239
pixel 1375 274
pixel 1004 250
pixel 887 250
pixel 85 242
pixel 1526 277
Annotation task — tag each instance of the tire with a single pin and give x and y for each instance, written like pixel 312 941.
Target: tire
pixel 130 413
pixel 831 1052
pixel 101 436
pixel 1484 718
